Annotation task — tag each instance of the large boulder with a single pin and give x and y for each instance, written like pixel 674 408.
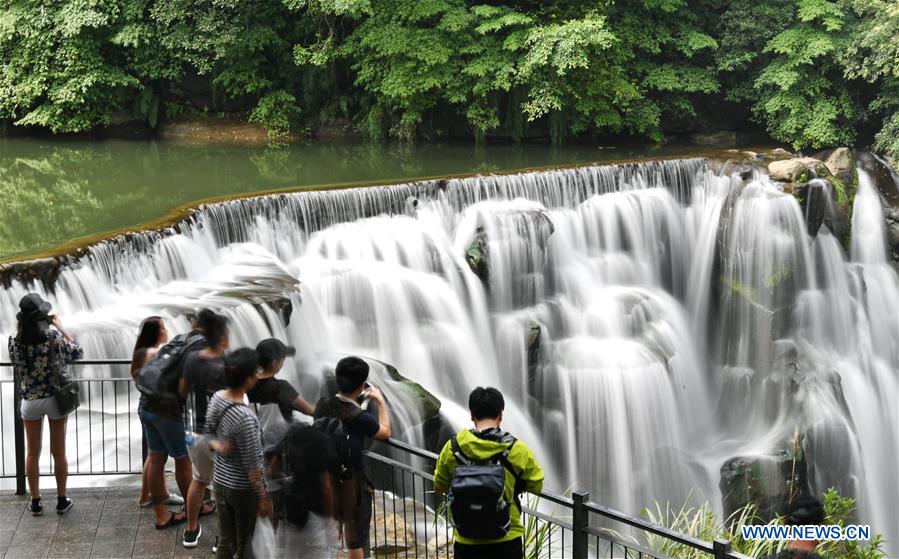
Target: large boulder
pixel 476 256
pixel 892 217
pixel 798 169
pixel 813 199
pixel 765 480
pixel 841 165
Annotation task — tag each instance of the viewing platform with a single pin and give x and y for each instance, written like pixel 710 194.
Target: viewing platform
pixel 104 523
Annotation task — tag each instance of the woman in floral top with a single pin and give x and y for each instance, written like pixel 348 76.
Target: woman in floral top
pixel 39 355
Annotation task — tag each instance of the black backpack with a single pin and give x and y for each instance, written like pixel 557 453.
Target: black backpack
pixel 477 496
pixel 160 376
pixel 339 441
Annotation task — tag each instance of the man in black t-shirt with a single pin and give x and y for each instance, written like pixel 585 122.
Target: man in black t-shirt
pixel 805 510
pixel 354 496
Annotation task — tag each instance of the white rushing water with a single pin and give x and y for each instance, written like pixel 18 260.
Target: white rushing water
pixel 682 318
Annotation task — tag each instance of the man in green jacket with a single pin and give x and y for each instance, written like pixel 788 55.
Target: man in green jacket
pixel 479 445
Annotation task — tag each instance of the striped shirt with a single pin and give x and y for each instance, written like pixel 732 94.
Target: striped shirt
pixel 237 423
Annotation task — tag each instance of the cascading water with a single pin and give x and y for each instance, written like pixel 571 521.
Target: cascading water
pixel 647 322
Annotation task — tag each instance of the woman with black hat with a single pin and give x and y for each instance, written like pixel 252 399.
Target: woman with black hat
pixel 39 355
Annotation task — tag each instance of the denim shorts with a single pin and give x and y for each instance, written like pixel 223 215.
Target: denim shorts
pixel 164 436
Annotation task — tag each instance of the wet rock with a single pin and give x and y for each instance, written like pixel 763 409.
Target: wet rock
pixel 841 165
pixel 766 480
pixel 892 218
pixel 781 152
pixel 813 199
pixel 476 256
pixel 41 270
pixel 390 534
pixel 534 334
pixel 798 169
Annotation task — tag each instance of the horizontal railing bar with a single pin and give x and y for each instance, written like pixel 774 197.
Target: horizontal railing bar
pixel 635 522
pixel 85 362
pixel 546 517
pixel 391 462
pixel 85 379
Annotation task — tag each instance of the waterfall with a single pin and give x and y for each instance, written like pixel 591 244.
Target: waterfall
pixel 646 322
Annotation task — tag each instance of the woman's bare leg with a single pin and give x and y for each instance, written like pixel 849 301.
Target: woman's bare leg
pixel 58 451
pixel 33 431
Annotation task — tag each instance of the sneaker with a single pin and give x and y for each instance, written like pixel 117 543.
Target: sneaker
pixel 63 504
pixel 192 537
pixel 35 507
pixel 174 499
pixel 215 546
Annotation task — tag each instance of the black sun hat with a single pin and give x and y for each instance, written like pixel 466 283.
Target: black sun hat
pixel 32 308
pixel 273 349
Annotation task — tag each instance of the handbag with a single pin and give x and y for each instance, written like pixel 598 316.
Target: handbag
pixel 67 399
pixel 66 394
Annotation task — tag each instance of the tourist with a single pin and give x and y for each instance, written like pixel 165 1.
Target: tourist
pixel 162 418
pixel 485 444
pixel 151 335
pixel 309 498
pixel 274 401
pixel 239 478
pixel 39 352
pixel 269 390
pixel 202 376
pixel 354 494
pixel 805 510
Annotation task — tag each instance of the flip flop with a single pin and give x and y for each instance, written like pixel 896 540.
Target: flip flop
pixel 208 508
pixel 174 520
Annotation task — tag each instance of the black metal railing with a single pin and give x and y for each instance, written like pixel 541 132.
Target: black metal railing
pixel 408 519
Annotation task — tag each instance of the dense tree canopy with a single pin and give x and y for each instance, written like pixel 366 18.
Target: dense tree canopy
pixel 812 72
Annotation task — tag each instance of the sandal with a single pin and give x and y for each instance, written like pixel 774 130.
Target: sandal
pixel 208 508
pixel 174 520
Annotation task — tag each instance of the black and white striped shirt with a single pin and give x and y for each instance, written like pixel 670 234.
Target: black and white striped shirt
pixel 228 420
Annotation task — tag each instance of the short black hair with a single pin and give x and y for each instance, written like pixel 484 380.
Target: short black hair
pixel 204 320
pixel 486 403
pixel 351 372
pixel 215 329
pixel 240 364
pixel 805 510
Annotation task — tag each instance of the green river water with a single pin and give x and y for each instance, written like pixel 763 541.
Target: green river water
pixel 58 194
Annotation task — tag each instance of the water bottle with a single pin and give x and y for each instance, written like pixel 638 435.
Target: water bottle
pixel 188 426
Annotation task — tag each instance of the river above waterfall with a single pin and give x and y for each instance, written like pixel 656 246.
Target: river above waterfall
pixel 57 195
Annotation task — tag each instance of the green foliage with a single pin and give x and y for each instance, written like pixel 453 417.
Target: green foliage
pixel 811 71
pixel 803 100
pixel 277 112
pixel 841 511
pixel 701 522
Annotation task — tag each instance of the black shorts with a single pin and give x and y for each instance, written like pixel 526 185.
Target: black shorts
pixel 355 509
pixel 511 549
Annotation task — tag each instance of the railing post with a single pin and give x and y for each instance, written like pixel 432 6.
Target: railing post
pixel 579 521
pixel 721 547
pixel 19 433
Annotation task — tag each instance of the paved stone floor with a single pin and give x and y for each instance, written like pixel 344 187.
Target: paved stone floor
pixel 105 522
